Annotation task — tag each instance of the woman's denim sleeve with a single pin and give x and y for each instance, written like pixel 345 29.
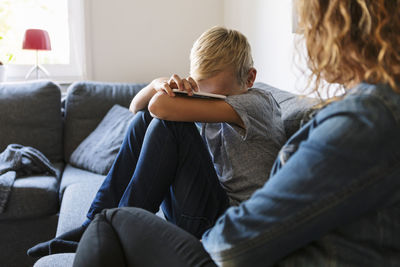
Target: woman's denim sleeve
pixel 345 167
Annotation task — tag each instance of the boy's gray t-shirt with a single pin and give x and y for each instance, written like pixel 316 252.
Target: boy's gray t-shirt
pixel 243 158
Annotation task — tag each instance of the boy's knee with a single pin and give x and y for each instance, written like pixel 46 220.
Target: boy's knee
pixel 141 118
pixel 143 115
pixel 174 126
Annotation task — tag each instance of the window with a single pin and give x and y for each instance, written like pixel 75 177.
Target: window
pixel 63 19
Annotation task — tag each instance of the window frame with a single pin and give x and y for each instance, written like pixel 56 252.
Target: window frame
pixel 76 69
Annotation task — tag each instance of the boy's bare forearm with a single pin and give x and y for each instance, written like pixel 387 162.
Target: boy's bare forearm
pixel 142 98
pixel 191 109
pixel 162 103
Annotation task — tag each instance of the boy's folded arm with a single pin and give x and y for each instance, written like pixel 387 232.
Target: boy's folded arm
pixel 142 98
pixel 189 109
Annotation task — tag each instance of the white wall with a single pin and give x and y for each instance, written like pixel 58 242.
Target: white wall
pixel 268 26
pixel 137 40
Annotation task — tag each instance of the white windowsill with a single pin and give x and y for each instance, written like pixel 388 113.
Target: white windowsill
pixel 62 75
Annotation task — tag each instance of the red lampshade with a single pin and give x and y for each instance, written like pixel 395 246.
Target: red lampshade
pixel 36 39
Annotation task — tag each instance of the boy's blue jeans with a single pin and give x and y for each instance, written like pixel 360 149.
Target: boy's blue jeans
pixel 167 163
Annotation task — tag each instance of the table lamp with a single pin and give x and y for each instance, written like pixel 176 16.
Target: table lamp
pixel 36 39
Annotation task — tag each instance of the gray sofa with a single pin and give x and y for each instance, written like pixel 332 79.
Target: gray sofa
pixel 43 206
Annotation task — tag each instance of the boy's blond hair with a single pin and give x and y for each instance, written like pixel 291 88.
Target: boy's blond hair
pixel 219 49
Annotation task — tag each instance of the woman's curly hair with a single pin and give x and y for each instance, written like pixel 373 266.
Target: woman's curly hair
pixel 350 41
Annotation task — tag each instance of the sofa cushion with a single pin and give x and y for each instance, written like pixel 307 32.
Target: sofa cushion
pixel 78 189
pixel 56 260
pixel 30 115
pixel 73 175
pixel 75 204
pixel 294 108
pixel 86 105
pixel 33 196
pixel 97 152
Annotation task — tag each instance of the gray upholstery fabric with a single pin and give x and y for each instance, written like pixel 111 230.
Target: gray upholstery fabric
pixel 86 105
pixel 73 175
pixel 20 161
pixel 75 204
pixel 56 260
pixel 19 235
pixel 293 107
pixel 30 115
pixel 98 151
pixel 33 196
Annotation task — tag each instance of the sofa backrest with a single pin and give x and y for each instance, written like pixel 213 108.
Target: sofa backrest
pixel 293 107
pixel 30 115
pixel 86 105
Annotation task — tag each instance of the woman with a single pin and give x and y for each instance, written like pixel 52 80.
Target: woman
pixel 334 200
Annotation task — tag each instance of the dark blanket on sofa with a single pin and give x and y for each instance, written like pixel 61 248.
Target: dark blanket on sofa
pixel 17 160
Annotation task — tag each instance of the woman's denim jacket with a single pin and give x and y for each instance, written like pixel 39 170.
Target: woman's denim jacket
pixel 334 202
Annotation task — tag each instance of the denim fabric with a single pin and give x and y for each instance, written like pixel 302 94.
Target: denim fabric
pixel 334 199
pixel 167 163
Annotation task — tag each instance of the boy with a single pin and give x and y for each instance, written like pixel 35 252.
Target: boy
pixel 165 161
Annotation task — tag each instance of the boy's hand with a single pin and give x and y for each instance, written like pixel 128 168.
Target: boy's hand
pixel 189 84
pixel 162 85
pixel 175 82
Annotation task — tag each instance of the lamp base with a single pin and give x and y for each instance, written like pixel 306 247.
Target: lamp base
pixel 37 69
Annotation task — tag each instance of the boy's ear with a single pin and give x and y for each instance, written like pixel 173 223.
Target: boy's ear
pixel 251 77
